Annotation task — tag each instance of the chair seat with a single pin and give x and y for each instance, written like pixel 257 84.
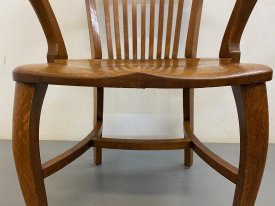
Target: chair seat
pixel 168 73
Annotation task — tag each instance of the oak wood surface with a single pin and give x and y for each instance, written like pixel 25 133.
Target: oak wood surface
pixel 252 106
pixel 180 73
pixel 25 141
pixel 247 81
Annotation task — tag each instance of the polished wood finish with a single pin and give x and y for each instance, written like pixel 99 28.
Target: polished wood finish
pixel 247 81
pixel 188 117
pixel 73 153
pixel 98 120
pixel 174 73
pixel 217 163
pixel 252 109
pixel 143 29
pixel 169 28
pixel 134 27
pixel 125 28
pixel 93 30
pixel 177 29
pixel 193 29
pixel 230 46
pixel 108 29
pixel 56 45
pixel 160 28
pixel 116 26
pixel 152 29
pixel 25 141
pixel 139 144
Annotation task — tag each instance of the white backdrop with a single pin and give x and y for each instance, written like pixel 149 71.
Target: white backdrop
pixel 67 111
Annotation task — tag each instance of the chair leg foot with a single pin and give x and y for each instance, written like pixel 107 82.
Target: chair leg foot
pixel 188 115
pixel 27 107
pixel 97 156
pixel 252 108
pixel 188 157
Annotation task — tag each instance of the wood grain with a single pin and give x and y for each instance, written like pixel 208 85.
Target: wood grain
pixel 108 29
pixel 134 27
pixel 125 28
pixel 160 28
pixel 95 42
pixel 56 45
pixel 217 163
pixel 143 29
pixel 139 144
pixel 59 162
pixel 188 116
pixel 25 141
pixel 177 29
pixel 251 101
pixel 116 26
pixel 152 27
pixel 193 29
pixel 98 120
pixel 230 46
pixel 173 73
pixel 169 29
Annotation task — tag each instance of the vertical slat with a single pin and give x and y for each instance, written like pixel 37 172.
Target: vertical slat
pixel 134 27
pixel 93 29
pixel 177 29
pixel 169 29
pixel 160 28
pixel 152 27
pixel 108 29
pixel 193 29
pixel 143 28
pixel 116 25
pixel 125 27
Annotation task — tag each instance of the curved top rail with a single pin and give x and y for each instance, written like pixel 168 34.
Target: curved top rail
pixel 56 45
pixel 230 46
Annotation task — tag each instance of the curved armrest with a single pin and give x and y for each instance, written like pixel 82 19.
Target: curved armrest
pixel 230 47
pixel 56 45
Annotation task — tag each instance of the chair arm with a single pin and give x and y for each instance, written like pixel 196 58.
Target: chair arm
pixel 230 47
pixel 45 14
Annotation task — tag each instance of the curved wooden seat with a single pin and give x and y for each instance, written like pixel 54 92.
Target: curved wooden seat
pixel 173 73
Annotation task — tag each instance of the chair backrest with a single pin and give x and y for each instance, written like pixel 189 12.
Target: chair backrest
pixel 174 12
pixel 170 43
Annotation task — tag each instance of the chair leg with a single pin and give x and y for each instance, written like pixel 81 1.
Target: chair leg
pixel 251 101
pixel 27 107
pixel 188 112
pixel 98 116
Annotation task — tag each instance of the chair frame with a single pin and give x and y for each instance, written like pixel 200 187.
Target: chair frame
pixel 251 100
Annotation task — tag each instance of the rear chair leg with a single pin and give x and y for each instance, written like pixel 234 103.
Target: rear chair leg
pixel 188 112
pixel 98 117
pixel 26 115
pixel 252 109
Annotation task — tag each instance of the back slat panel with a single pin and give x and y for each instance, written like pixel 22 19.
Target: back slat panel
pixel 169 29
pixel 117 32
pixel 134 27
pixel 143 29
pixel 108 28
pixel 152 27
pixel 125 27
pixel 160 28
pixel 193 29
pixel 167 47
pixel 177 29
pixel 93 29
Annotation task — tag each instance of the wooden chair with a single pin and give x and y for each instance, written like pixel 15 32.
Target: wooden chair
pixel 247 82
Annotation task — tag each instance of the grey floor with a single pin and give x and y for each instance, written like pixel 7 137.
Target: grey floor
pixel 134 178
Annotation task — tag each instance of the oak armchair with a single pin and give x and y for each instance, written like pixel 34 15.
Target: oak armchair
pixel 144 69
